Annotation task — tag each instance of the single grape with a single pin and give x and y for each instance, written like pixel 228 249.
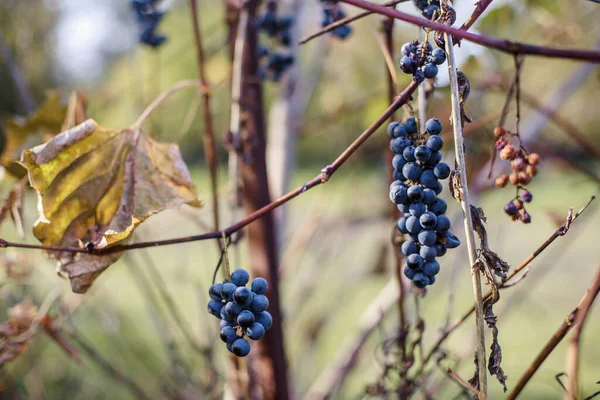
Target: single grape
pixel 240 347
pixel 409 153
pixel 435 158
pixel 526 196
pixel 399 131
pixel 398 195
pixel 438 56
pixel 411 125
pixel 418 76
pixel 428 220
pixel 431 280
pixel 441 171
pixel 215 291
pixel 430 71
pixel 413 225
pixel 440 249
pixel 401 225
pixel 259 303
pixel 245 318
pixel 228 334
pixel 443 224
pixel 397 175
pixel 243 296
pixel 226 316
pixel 431 268
pixel 407 48
pixel 409 273
pixel 412 171
pixel 398 145
pixel 429 196
pixel 433 126
pixel 214 307
pixel 439 207
pixel 390 128
pixel 428 179
pixel 421 280
pixel 525 217
pixel 427 237
pixel 437 189
pixel 398 161
pixel 416 209
pixel 227 291
pixel 240 277
pixel 422 153
pixel 415 193
pixel 407 65
pixel 435 143
pixel 451 240
pixel 255 331
pixel 510 208
pixel 403 208
pixel 414 261
pixel 223 324
pixel 260 285
pixel 428 253
pixel 232 309
pixel 409 247
pixel 264 318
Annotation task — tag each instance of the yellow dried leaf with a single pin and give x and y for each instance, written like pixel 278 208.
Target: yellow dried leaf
pixel 96 186
pixel 39 126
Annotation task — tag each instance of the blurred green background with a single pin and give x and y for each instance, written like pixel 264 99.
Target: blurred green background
pixel 335 257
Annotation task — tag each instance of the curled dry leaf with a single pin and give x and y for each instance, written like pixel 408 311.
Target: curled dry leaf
pixel 14 331
pixel 96 186
pixel 38 127
pixel 13 206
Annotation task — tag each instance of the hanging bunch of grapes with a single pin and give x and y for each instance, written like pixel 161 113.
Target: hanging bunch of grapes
pixel 242 311
pixel 275 57
pixel 429 8
pixel 418 171
pixel 148 16
pixel 332 12
pixel 421 60
pixel 524 168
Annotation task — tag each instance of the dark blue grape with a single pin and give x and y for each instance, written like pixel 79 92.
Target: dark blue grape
pixel 226 316
pixel 443 224
pixel 398 161
pixel 430 11
pixel 233 309
pixel 397 175
pixel 431 280
pixel 409 273
pixel 451 240
pixel 259 303
pixel 223 324
pixel 414 261
pixel 264 318
pixel 411 125
pixel 407 65
pixel 255 331
pixel 418 76
pixel 401 225
pixel 399 131
pixel 240 347
pixel 511 208
pixel 412 171
pixel 441 171
pixel 433 126
pixel 409 153
pixel 416 209
pixel 413 225
pixel 438 56
pixel 428 180
pixel 435 143
pixel 409 247
pixel 415 193
pixel 243 296
pixel 428 253
pixel 342 31
pixel 421 280
pixel 430 71
pixel 422 153
pixel 428 220
pixel 427 237
pixel 240 277
pixel 403 208
pixel 245 318
pixel 390 128
pixel 438 188
pixel 440 249
pixel 228 334
pixel 439 207
pixel 214 307
pixel 398 145
pixel 215 291
pixel 398 195
pixel 431 268
pixel 429 196
pixel 436 157
pixel 526 196
pixel 408 48
pixel 260 285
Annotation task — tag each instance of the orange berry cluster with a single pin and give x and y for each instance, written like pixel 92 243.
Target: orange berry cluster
pixel 524 168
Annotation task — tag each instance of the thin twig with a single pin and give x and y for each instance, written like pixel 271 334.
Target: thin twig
pixel 504 45
pixel 556 234
pixel 570 321
pixel 345 21
pixel 573 352
pixel 466 385
pixel 480 7
pixel 321 178
pixel 209 135
pixel 465 205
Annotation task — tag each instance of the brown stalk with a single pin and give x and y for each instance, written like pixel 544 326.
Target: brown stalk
pixel 466 385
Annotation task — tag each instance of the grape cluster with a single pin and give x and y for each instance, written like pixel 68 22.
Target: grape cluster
pixel 242 311
pixel 524 168
pixel 428 8
pixel 276 58
pixel 421 60
pixel 332 13
pixel 148 17
pixel 417 173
